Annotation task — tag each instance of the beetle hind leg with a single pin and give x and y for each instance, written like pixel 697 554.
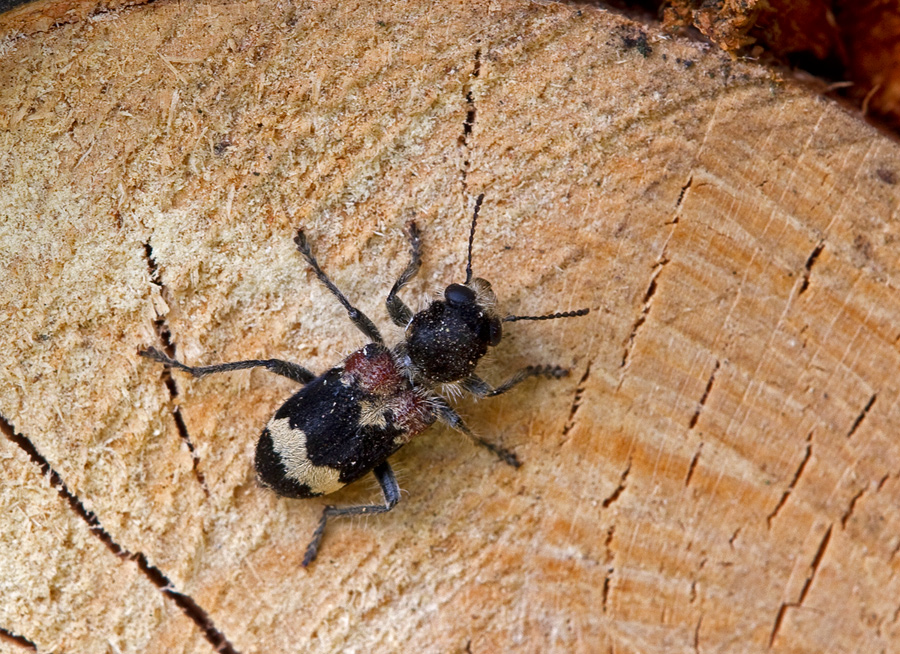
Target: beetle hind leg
pixel 389 489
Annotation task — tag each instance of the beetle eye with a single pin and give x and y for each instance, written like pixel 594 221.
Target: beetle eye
pixel 495 332
pixel 457 295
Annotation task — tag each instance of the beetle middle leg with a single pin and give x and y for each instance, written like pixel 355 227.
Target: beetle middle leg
pixel 389 489
pixel 361 320
pixel 400 313
pixel 451 418
pixel 480 388
pixel 284 368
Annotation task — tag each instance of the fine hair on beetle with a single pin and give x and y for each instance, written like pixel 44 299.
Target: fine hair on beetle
pixel 349 420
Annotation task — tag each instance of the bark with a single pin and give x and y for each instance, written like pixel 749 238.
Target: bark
pixel 719 471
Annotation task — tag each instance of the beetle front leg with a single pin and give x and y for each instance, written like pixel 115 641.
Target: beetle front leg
pixel 362 321
pixel 400 313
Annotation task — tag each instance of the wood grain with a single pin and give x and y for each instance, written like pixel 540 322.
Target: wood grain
pixel 718 474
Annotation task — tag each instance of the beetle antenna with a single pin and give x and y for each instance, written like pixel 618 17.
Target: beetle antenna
pixel 472 237
pixel 549 316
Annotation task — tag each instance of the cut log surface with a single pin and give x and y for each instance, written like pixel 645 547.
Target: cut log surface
pixel 720 472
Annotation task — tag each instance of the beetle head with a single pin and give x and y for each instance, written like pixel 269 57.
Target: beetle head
pixel 446 341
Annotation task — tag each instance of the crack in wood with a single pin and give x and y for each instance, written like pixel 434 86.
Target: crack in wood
pixel 702 403
pixel 647 303
pixel 862 415
pixel 793 483
pixel 681 195
pixel 777 626
pixel 894 551
pixel 814 568
pixel 817 560
pixel 692 466
pixel 165 337
pixel 610 533
pixel 849 512
pixel 608 560
pixel 810 260
pixel 469 121
pixel 618 491
pixel 576 400
pixel 692 597
pixel 607 580
pixel 14 638
pixel 185 602
pixel 684 190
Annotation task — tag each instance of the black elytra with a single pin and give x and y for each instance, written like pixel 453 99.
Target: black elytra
pixel 349 420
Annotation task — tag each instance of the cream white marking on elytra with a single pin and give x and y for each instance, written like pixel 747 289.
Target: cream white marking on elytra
pixel 290 444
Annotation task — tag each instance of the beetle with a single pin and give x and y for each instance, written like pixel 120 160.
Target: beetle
pixel 350 420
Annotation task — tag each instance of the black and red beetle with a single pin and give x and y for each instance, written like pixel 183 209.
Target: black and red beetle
pixel 352 418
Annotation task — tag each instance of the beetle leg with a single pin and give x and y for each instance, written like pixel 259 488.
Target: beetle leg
pixel 389 489
pixel 398 311
pixel 361 320
pixel 451 418
pixel 480 388
pixel 284 368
